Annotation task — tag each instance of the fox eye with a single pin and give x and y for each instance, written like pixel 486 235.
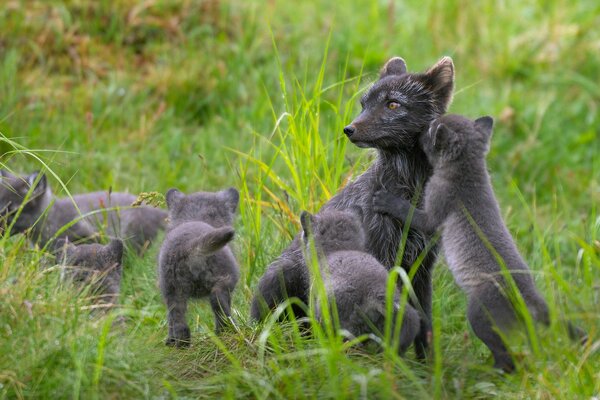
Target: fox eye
pixel 392 105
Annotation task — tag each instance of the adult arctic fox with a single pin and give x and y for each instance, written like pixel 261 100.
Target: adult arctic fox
pixel 396 110
pixel 45 215
pixel 480 251
pixel 354 280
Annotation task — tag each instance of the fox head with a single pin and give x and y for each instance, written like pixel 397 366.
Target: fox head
pixel 454 138
pixel 14 191
pixel 401 105
pixel 334 230
pixel 216 209
pixel 94 263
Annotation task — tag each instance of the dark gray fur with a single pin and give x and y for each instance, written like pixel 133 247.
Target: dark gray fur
pixel 44 214
pixel 400 167
pixel 354 279
pixel 94 264
pixel 195 260
pixel 459 200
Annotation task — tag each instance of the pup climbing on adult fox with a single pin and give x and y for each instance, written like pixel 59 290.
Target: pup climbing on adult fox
pixel 479 250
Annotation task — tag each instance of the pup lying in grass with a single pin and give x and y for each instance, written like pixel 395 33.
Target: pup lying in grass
pixel 480 251
pixel 94 264
pixel 354 279
pixel 195 260
pixel 45 215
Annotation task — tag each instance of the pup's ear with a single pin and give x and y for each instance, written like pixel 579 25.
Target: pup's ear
pixel 358 211
pixel 173 197
pixel 231 197
pixel 394 66
pixel 439 79
pixel 486 125
pixel 114 250
pixel 38 182
pixel 441 136
pixel 306 220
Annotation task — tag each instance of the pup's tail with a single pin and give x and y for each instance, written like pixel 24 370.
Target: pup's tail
pixel 213 241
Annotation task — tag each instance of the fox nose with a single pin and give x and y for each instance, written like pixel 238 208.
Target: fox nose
pixel 349 130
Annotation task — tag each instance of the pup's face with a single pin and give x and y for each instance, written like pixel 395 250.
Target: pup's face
pixel 400 105
pixel 454 138
pixel 216 209
pixel 13 192
pixel 334 230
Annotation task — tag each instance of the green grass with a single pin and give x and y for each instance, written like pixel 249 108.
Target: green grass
pixel 201 95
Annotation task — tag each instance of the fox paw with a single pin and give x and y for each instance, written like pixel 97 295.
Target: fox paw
pixel 384 202
pixel 179 343
pixel 180 339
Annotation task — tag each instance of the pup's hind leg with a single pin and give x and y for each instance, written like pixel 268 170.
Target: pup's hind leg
pixel 423 290
pixel 179 331
pixel 220 302
pixel 479 313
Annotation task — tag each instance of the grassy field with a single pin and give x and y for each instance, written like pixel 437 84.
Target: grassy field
pixel 201 95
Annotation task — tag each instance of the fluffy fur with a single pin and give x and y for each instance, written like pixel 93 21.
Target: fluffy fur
pixel 400 167
pixel 44 215
pixel 354 280
pixel 459 200
pixel 195 260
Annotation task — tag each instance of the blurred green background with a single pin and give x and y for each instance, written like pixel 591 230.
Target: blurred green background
pixel 146 95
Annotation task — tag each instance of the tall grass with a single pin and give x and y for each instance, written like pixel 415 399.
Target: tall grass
pixel 142 97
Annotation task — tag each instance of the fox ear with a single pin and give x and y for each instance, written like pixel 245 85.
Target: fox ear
pixel 306 220
pixel 115 250
pixel 38 184
pixel 173 197
pixel 440 80
pixel 232 197
pixel 358 211
pixel 441 135
pixel 394 66
pixel 486 125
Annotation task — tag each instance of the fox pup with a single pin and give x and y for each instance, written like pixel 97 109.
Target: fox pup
pixel 95 264
pixel 45 215
pixel 354 279
pixel 195 260
pixel 396 111
pixel 460 201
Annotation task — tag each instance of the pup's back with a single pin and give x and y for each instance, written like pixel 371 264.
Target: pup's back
pixel 135 224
